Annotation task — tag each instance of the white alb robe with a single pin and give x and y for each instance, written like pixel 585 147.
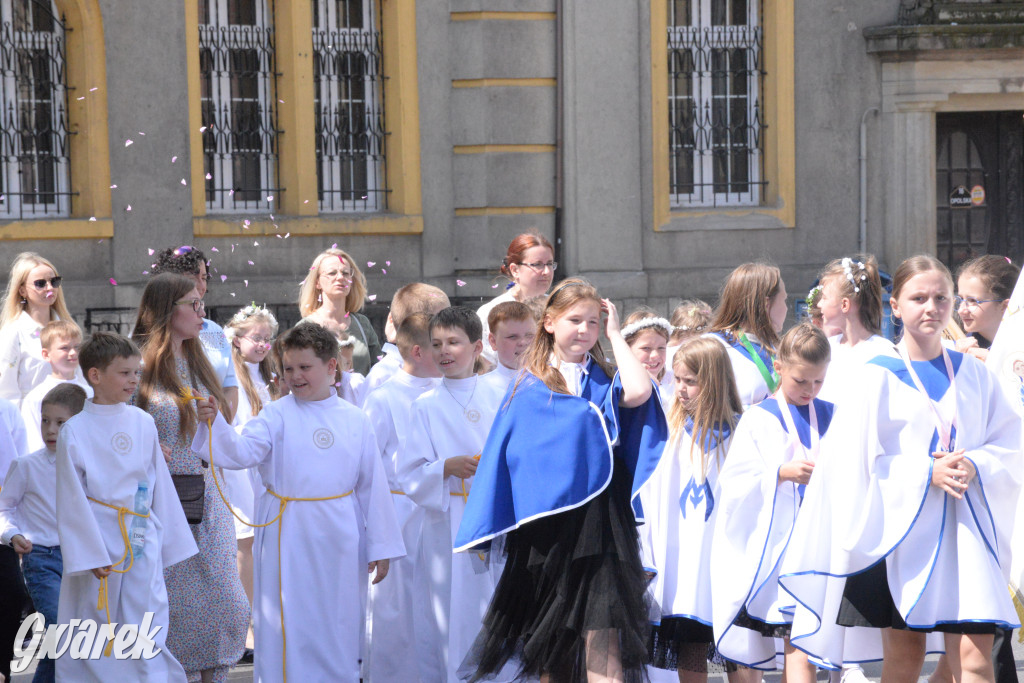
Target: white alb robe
pixel 871 500
pixel 104 452
pixel 757 516
pixel 394 601
pixel 13 439
pixel 314 556
pixel 681 507
pixel 749 381
pixel 846 364
pixel 390 363
pixel 460 585
pixel 240 486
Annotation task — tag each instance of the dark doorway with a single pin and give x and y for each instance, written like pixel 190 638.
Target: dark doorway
pixel 979 175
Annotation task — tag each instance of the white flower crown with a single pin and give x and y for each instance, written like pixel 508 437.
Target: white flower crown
pixel 644 323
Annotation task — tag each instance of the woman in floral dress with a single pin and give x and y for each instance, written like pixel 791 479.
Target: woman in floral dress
pixel 208 607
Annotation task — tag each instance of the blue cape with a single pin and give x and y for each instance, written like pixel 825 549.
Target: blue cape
pixel 549 452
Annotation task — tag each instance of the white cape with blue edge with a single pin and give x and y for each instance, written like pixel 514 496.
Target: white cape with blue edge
pixel 871 500
pixel 549 452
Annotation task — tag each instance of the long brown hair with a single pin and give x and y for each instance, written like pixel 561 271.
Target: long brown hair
pixel 537 358
pixel 858 280
pixel 743 306
pixel 717 405
pixel 153 335
pixel 239 325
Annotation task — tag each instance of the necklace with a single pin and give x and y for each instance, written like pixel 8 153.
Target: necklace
pixel 471 414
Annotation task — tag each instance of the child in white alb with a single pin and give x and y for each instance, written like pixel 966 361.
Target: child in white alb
pixel 512 327
pixel 60 340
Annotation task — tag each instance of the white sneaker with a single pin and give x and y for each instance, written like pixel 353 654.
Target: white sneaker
pixel 853 674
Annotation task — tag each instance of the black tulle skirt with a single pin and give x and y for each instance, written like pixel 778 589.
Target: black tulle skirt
pixel 568 578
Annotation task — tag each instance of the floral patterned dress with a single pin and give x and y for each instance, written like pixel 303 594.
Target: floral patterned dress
pixel 208 607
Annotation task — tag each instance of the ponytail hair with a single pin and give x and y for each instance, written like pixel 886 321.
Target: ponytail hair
pixel 858 280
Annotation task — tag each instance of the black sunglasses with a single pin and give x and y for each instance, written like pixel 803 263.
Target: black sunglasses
pixel 41 284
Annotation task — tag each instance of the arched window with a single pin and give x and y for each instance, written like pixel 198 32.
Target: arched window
pixel 237 74
pixel 348 81
pixel 35 170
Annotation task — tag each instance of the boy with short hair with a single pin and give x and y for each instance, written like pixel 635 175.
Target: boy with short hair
pixel 60 340
pixel 326 511
pixel 396 600
pixel 28 510
pixel 512 327
pixel 119 520
pixel 418 297
pixel 437 459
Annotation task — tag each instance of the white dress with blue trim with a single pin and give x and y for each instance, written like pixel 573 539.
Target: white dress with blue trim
pixel 871 500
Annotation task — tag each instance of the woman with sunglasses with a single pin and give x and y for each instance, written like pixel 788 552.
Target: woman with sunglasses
pixel 529 264
pixel 191 262
pixel 33 298
pixel 983 286
pixel 332 295
pixel 209 611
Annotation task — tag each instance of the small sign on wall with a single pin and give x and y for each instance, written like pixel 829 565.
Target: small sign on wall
pixel 960 198
pixel 977 195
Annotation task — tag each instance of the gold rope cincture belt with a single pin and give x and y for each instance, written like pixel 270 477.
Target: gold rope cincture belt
pixel 464 495
pixel 103 601
pixel 283 500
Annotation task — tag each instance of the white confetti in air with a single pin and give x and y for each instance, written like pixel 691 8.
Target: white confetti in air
pixel 372 297
pixel 371 264
pixel 460 283
pixel 202 129
pixel 214 249
pixel 173 159
pixel 494 286
pixel 232 293
pixel 231 193
pixel 232 248
pixel 80 98
pixel 251 263
pixel 384 271
pixel 255 244
pixel 128 208
pixel 92 219
pixel 113 282
pixel 150 251
pixel 209 176
pixel 387 263
pixel 93 89
pixel 141 133
pixel 113 187
pixel 145 272
pixel 334 246
pixel 270 198
pixel 223 278
pixel 246 282
pixel 183 182
pixel 305 201
pixel 128 143
pixel 287 235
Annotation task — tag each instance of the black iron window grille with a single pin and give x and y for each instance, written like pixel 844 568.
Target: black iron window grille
pixel 349 104
pixel 35 173
pixel 238 84
pixel 716 82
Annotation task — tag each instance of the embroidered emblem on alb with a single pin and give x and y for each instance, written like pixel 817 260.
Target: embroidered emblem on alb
pixel 121 443
pixel 323 438
pixel 473 415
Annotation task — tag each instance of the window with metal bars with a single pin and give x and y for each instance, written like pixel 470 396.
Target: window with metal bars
pixel 238 83
pixel 349 105
pixel 716 81
pixel 35 173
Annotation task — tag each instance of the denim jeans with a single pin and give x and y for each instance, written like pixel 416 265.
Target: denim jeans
pixel 42 568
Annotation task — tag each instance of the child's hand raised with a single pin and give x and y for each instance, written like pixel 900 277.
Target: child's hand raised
pixel 101 572
pixel 797 471
pixel 461 466
pixel 612 325
pixel 382 567
pixel 21 545
pixel 206 409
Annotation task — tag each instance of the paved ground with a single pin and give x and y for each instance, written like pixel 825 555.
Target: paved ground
pixel 243 674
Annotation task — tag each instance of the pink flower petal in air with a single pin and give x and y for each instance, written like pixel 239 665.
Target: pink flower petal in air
pixel 113 282
pixel 251 263
pixel 215 249
pixel 387 263
pixel 383 271
pixel 150 251
pixel 223 278
pixel 334 246
pixel 128 143
pixel 173 159
pixel 371 264
pixel 460 283
pixel 246 282
pixel 494 286
pixel 183 182
pixel 372 297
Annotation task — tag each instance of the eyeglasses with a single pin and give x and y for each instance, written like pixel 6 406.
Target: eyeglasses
pixel 41 283
pixel 541 267
pixel 261 341
pixel 971 302
pixel 196 304
pixel 346 275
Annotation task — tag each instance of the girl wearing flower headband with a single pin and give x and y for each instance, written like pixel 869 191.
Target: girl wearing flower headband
pixel 647 335
pixel 851 313
pixel 750 316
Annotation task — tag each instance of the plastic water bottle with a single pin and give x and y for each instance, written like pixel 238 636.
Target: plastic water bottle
pixel 137 531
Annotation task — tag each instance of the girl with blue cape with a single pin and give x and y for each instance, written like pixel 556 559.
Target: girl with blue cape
pixel 572 444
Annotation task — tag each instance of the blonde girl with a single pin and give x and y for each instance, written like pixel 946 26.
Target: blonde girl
pixel 33 298
pixel 851 311
pixel 681 505
pixel 771 460
pixel 594 435
pixel 648 335
pixel 907 532
pixel 748 321
pixel 332 294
